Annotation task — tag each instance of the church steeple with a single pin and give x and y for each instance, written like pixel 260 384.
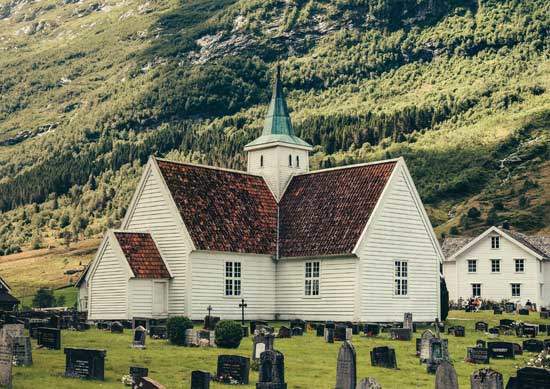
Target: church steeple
pixel 278 153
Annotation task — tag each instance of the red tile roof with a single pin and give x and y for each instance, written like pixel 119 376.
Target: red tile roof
pixel 325 212
pixel 142 255
pixel 223 210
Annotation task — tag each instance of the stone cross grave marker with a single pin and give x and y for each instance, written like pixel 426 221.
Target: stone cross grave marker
pixel 242 305
pixel 85 363
pixel 486 379
pixel 383 357
pixel 200 379
pixel 445 376
pixel 346 369
pixel 272 371
pixel 233 368
pixel 22 350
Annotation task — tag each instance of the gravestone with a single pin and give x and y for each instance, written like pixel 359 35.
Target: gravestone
pixel 533 345
pixel 523 312
pixel 425 345
pixel 529 331
pixel 6 360
pixel 477 355
pixel 481 326
pixel 320 330
pixel 546 344
pixel 501 350
pixel 481 343
pixel 355 329
pixel 34 324
pixel 439 352
pixel 206 338
pixel 211 321
pixel 158 332
pixel 545 314
pixel 261 342
pixel 532 378
pixel 346 369
pixel 140 334
pixel 418 344
pixel 49 338
pixel 510 307
pixel 518 350
pixel 486 379
pixel 297 331
pixel 191 338
pixel 445 376
pixel 371 329
pixel 330 324
pixel 22 351
pixel 340 333
pixel 506 322
pixel 408 320
pixel 494 331
pixel 245 331
pixel 137 372
pixel 543 328
pixel 117 327
pixel 272 370
pixel 298 323
pixel 85 363
pixel 329 335
pixel 284 332
pixel 497 311
pixel 257 325
pixel 200 379
pixel 450 330
pixel 13 330
pixel 404 334
pixel 369 383
pixel 460 331
pixel 148 383
pixel 383 357
pixel 233 368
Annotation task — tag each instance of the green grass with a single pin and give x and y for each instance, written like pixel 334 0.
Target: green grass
pixel 309 361
pixel 70 293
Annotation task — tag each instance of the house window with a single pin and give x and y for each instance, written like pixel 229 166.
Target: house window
pixel 401 278
pixel 495 265
pixel 472 265
pixel 232 278
pixel 516 290
pixel 261 161
pixel 476 290
pixel 297 161
pixel 290 160
pixel 312 279
pixel 520 265
pixel 495 242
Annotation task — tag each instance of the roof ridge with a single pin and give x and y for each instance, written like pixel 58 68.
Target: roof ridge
pixel 356 165
pixel 199 165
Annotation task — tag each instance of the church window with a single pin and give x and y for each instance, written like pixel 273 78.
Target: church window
pixel 232 278
pixel 290 160
pixel 297 161
pixel 312 278
pixel 261 161
pixel 401 278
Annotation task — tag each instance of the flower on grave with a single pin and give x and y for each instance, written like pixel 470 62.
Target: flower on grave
pixel 127 380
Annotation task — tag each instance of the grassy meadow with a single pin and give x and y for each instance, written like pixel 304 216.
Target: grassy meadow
pixel 309 361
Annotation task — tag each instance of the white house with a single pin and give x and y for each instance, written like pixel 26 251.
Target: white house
pixel 497 265
pixel 350 243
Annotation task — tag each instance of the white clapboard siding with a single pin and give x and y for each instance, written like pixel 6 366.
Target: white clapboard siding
pixel 108 292
pixel 497 286
pixel 337 286
pixel 141 298
pixel 398 232
pixel 449 272
pixel 257 283
pixel 545 298
pixel 153 213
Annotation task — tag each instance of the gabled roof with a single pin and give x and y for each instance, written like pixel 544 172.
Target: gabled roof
pixel 223 210
pixel 142 255
pixel 539 246
pixel 325 212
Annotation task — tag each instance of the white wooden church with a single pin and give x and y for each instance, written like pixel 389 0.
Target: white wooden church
pixel 352 243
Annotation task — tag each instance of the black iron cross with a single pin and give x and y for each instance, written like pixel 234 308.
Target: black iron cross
pixel 209 309
pixel 242 305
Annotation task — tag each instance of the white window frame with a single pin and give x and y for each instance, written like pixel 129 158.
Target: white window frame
pixel 312 279
pixel 401 278
pixel 513 285
pixel 518 261
pixel 233 286
pixel 493 261
pixel 495 242
pixel 474 261
pixel 480 290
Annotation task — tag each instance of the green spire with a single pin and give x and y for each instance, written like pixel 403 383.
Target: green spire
pixel 277 125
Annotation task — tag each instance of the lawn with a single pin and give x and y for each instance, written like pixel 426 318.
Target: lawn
pixel 309 361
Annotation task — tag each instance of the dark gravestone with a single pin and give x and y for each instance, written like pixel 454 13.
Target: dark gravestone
pixel 418 342
pixel 320 330
pixel 147 383
pixel 460 331
pixel 245 331
pixel 34 324
pixel 532 378
pixel 6 358
pixel 533 345
pixel 494 331
pixel 346 369
pixel 298 323
pixel 117 328
pixel 340 333
pixel 329 335
pixel 518 350
pixel 383 357
pixel 355 329
pixel 330 324
pixel 547 344
pixel 450 330
pixel 543 328
pixel 506 322
pixel 233 368
pixel 481 343
pixel 200 379
pixel 509 307
pixel 297 331
pixel 486 379
pixel 529 331
pixel 524 312
pixel 137 372
pixel 501 350
pixel 505 330
pixel 545 314
pixel 272 370
pixel 401 334
pixel 49 338
pixel 211 321
pixel 497 311
pixel 22 351
pixel 439 352
pixel 85 363
pixel 158 332
pixel 371 329
pixel 481 326
pixel 140 334
pixel 445 376
pixel 284 332
pixel 55 322
pixel 477 355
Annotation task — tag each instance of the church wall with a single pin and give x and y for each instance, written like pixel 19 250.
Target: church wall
pixel 258 274
pixel 141 298
pixel 398 232
pixel 336 295
pixel 153 214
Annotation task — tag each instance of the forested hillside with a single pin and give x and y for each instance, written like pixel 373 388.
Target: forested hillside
pixel 90 89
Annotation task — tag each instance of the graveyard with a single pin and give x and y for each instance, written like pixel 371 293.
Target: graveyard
pixel 309 361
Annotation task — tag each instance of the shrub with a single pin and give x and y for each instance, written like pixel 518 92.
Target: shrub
pixel 473 213
pixel 228 334
pixel 43 298
pixel 176 326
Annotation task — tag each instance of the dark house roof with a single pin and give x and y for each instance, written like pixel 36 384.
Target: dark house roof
pixel 142 255
pixel 223 210
pixel 452 245
pixel 6 298
pixel 324 213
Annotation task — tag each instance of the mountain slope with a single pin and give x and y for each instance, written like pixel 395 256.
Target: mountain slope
pixel 90 90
